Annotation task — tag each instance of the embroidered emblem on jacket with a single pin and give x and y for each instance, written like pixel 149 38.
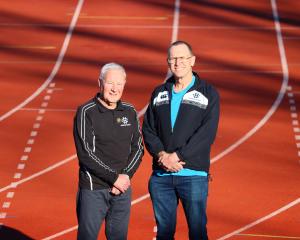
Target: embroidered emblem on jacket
pixel 123 121
pixel 162 98
pixel 195 98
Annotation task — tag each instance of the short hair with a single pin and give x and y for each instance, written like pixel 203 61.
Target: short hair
pixel 179 42
pixel 111 66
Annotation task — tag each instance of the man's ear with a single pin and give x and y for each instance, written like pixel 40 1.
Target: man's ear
pixel 193 61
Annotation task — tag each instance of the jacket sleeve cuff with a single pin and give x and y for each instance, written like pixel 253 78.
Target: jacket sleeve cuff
pixel 180 156
pixel 111 179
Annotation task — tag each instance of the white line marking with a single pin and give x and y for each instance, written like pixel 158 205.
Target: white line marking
pixel 292 101
pixel 21 166
pixel 296 129
pixel 39 118
pixel 47 97
pixel 17 175
pixel 123 26
pixel 293 108
pixel 297 137
pixel 298 145
pixel 298 153
pixel 294 115
pixel 33 133
pixel 6 205
pixel 42 111
pixel 176 21
pixel 76 227
pixel 50 91
pixel 2 215
pixel 280 210
pixel 142 198
pixel 56 66
pixel 52 85
pixel 44 104
pixel 48 109
pixel 280 96
pixel 36 125
pixel 289 88
pixel 295 122
pixel 10 194
pixel 27 149
pixel 290 94
pixel 30 141
pixel 24 158
pixel 15 184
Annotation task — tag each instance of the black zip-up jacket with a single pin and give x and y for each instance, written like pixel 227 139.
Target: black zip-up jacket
pixel 108 143
pixel 195 127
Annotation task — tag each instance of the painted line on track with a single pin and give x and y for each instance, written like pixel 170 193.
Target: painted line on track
pixel 278 100
pixel 55 68
pixel 278 211
pixel 261 123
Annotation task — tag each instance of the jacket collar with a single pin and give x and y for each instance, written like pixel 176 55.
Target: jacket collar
pixel 120 106
pixel 170 81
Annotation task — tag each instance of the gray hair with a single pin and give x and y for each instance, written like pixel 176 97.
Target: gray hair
pixel 110 66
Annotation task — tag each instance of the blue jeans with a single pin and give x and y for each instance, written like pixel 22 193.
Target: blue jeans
pixel 165 194
pixel 95 206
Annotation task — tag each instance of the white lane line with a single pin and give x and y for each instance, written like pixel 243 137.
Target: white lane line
pixel 33 134
pixel 76 227
pixel 30 141
pixel 39 118
pixel 10 194
pixel 21 166
pixel 294 115
pixel 6 205
pixel 48 110
pixel 47 97
pixel 36 125
pixel 42 111
pixel 296 129
pixel 265 218
pixel 128 26
pixel 280 96
pixel 2 215
pixel 17 175
pixel 15 184
pixel 272 109
pixel 27 149
pixel 56 66
pixel 24 158
pixel 44 104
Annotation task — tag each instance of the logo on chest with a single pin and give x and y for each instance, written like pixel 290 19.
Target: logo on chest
pixel 195 98
pixel 162 98
pixel 123 122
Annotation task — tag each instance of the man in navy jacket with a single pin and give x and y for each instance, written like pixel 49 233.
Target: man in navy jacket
pixel 179 128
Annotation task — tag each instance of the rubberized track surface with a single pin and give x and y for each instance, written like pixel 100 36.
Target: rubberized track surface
pixel 50 55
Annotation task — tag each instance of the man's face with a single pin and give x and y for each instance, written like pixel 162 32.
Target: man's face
pixel 180 61
pixel 113 85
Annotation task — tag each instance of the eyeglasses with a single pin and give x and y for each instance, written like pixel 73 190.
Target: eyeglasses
pixel 178 59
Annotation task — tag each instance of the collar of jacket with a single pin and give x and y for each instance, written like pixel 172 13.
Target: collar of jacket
pixel 120 106
pixel 170 81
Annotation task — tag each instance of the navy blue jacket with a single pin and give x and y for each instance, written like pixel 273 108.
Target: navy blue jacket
pixel 195 127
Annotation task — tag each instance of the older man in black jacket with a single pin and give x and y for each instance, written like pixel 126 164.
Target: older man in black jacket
pixel 109 149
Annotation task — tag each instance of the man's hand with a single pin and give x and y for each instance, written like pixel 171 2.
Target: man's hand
pixel 115 191
pixel 122 183
pixel 170 161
